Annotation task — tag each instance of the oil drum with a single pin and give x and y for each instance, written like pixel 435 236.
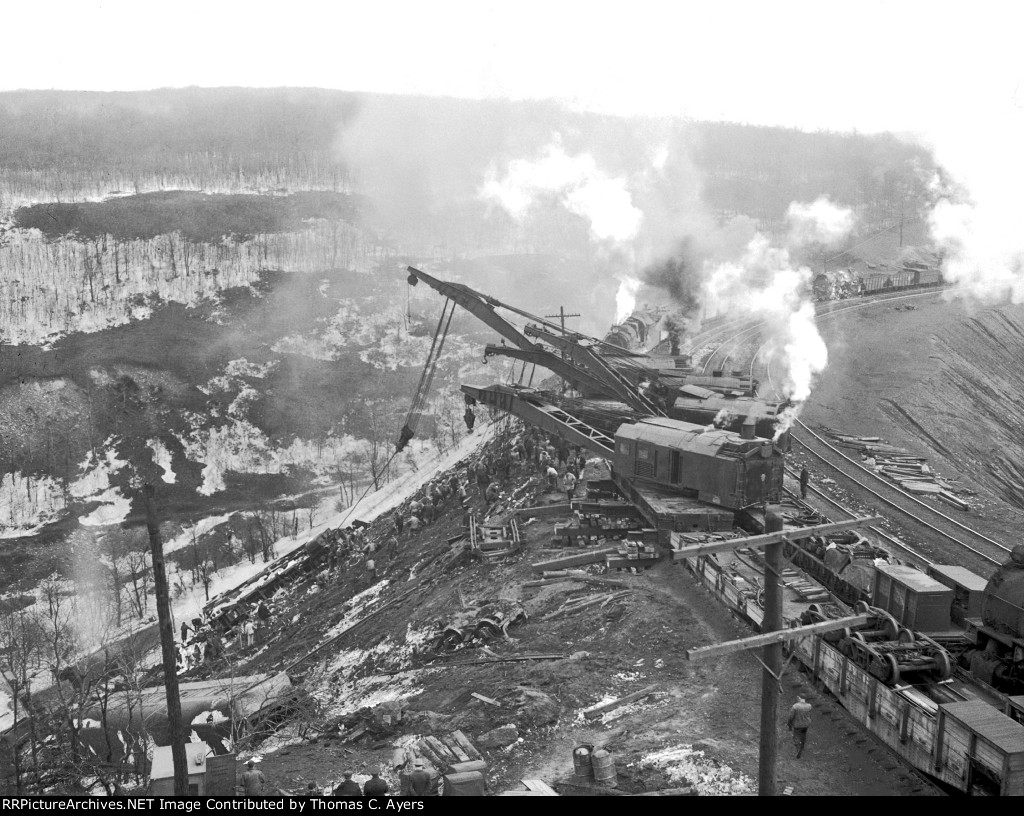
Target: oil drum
pixel 604 769
pixel 582 767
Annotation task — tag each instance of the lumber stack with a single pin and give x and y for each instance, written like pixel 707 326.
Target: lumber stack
pixel 912 473
pixel 448 750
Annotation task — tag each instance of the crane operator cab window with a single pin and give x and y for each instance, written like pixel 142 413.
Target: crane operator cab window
pixel 645 461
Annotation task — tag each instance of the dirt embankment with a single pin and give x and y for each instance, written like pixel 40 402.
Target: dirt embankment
pixel 944 380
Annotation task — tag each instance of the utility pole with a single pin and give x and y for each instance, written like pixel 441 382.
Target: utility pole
pixel 561 316
pixel 163 611
pixel 773 634
pixel 771 658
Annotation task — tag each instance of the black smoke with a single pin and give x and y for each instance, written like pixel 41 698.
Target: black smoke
pixel 680 276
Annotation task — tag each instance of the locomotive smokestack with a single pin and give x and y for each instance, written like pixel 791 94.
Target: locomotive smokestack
pixel 747 431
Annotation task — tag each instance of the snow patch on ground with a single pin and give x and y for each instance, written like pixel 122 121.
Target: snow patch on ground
pixel 684 765
pixel 113 510
pixel 6 707
pixel 94 485
pixel 162 457
pixel 368 692
pixel 201 528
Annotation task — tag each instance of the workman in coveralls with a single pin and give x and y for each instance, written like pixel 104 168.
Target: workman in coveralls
pixel 799 721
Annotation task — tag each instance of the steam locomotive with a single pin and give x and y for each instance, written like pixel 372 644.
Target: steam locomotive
pixel 636 330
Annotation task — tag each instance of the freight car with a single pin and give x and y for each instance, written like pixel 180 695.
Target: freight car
pixel 935 675
pixel 899 280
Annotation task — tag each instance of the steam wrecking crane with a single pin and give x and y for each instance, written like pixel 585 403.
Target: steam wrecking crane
pixel 642 384
pixel 681 476
pixel 483 307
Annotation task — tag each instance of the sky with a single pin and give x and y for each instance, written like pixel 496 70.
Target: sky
pixel 866 65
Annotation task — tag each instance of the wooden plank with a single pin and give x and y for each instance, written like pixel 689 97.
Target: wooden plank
pixel 483 699
pixel 770 538
pixel 442 751
pixel 589 557
pixel 452 745
pixel 430 754
pixel 673 792
pixel 782 635
pixel 540 786
pixel 594 712
pixel 467 746
pixel 542 511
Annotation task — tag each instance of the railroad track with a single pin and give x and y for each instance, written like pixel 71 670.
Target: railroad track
pixel 919 519
pixel 823 311
pixel 916 516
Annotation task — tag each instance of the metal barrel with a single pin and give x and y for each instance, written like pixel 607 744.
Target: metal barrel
pixel 582 767
pixel 604 769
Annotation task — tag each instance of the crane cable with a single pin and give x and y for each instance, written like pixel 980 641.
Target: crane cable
pixel 427 376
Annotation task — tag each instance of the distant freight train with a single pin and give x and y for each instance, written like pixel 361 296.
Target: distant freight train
pixel 843 284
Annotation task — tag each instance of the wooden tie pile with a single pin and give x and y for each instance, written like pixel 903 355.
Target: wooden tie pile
pixel 910 472
pixel 448 750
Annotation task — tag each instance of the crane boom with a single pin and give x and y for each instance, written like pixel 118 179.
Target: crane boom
pixel 613 381
pixel 543 415
pixel 479 305
pixel 483 306
pixel 577 377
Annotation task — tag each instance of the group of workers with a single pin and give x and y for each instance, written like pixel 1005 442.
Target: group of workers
pixel 415 781
pixel 200 642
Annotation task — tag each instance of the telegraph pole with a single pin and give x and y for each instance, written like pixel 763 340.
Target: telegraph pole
pixel 771 658
pixel 773 634
pixel 163 611
pixel 562 316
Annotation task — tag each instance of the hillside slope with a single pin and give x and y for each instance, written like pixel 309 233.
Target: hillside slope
pixel 699 727
pixel 944 380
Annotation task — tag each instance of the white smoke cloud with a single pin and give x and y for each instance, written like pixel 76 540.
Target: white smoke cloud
pixel 575 182
pixel 976 221
pixel 820 222
pixel 765 283
pixel 625 298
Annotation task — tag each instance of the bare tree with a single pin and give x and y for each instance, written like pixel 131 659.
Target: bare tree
pixel 21 643
pixel 315 501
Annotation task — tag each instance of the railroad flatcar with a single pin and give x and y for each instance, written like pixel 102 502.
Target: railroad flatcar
pixel 716 466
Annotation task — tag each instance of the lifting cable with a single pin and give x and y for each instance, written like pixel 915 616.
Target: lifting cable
pixel 427 376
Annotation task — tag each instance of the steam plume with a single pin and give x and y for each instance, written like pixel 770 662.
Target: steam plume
pixel 574 182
